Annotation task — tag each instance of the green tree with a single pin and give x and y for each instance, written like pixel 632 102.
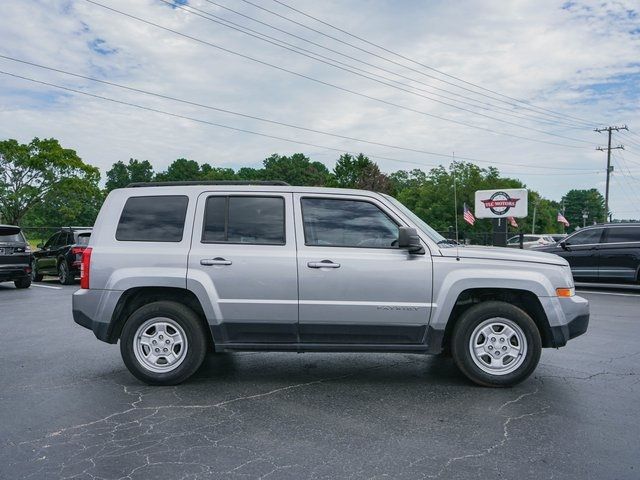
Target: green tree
pixel 360 172
pixel 29 172
pixel 122 174
pixel 578 201
pixel 297 169
pixel 73 201
pixel 180 170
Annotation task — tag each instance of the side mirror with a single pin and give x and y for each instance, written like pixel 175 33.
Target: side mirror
pixel 408 238
pixel 563 245
pixel 40 245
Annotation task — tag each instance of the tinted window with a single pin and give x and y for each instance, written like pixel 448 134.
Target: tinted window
pixel 623 234
pixel 153 219
pixel 347 223
pixel 83 239
pixel 11 234
pixel 52 241
pixel 254 220
pixel 585 238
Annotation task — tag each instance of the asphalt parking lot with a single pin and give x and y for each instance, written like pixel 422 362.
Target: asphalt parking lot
pixel 70 409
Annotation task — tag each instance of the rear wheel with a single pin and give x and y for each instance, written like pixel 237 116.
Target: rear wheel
pixel 35 276
pixel 163 343
pixel 496 344
pixel 64 274
pixel 23 282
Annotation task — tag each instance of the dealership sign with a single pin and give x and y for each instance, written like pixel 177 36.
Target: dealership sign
pixel 501 203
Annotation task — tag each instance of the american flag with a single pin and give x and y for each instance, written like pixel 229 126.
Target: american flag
pixel 468 216
pixel 562 220
pixel 512 222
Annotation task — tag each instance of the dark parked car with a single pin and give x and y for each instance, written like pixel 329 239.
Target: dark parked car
pixel 15 257
pixel 61 255
pixel 607 253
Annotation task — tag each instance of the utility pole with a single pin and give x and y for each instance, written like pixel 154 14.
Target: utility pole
pixel 609 167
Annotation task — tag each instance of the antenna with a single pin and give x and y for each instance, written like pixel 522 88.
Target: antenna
pixel 455 202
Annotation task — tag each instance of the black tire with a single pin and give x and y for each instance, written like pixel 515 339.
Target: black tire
pixel 472 318
pixel 23 282
pixel 64 274
pixel 35 276
pixel 196 336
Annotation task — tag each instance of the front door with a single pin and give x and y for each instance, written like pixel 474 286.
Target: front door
pixel 355 285
pixel 243 253
pixel 582 253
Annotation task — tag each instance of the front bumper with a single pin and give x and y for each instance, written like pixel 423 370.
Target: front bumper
pixel 575 322
pixel 94 309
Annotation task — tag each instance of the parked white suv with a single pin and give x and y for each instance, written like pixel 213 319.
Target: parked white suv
pixel 174 270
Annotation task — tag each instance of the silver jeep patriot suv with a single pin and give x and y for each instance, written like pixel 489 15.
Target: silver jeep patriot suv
pixel 175 270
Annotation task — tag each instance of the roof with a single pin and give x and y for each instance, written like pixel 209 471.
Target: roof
pixel 191 187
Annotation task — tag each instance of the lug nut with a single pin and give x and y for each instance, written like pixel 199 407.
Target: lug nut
pixel 497 352
pixel 157 349
pixel 167 342
pixel 161 337
pixel 154 342
pixel 504 348
pixel 490 347
pixel 502 340
pixel 493 339
pixel 165 350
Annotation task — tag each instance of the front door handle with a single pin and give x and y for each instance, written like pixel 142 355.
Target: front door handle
pixel 215 261
pixel 323 264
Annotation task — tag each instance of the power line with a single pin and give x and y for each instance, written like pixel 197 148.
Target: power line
pixel 322 82
pixel 276 122
pixel 228 127
pixel 520 103
pixel 477 103
pixel 608 149
pixel 205 15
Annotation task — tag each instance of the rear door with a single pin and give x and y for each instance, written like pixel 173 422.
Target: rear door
pixel 243 253
pixel 46 257
pixel 355 285
pixel 620 254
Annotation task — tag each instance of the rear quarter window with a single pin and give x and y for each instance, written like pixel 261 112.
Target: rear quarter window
pixel 157 218
pixel 623 234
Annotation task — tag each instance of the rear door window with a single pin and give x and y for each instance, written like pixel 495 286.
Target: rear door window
pixel 157 218
pixel 10 234
pixel 244 219
pixel 623 234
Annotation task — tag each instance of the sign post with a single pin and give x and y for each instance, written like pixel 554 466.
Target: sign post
pixel 499 205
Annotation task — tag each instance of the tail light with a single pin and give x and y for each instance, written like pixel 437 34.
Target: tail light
pixel 77 250
pixel 85 268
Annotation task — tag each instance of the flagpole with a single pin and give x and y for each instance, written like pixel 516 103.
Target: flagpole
pixel 455 193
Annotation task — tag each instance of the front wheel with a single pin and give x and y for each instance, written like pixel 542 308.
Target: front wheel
pixel 35 276
pixel 496 344
pixel 163 343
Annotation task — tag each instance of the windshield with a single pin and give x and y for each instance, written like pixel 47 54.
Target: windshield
pixel 430 232
pixel 83 239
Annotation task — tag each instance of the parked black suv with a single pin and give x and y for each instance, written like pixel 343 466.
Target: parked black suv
pixel 15 257
pixel 61 255
pixel 608 252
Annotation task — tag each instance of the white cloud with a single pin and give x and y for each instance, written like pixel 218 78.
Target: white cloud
pixel 578 58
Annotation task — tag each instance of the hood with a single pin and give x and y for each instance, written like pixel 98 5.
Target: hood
pixel 503 253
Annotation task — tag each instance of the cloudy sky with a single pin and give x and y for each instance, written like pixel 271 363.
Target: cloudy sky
pixel 519 85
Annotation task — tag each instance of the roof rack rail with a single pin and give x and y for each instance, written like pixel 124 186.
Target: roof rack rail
pixel 74 227
pixel 208 182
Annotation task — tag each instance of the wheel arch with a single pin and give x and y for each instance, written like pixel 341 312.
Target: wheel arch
pixel 134 298
pixel 523 299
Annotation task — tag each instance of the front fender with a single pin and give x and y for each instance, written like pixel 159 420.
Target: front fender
pixel 453 279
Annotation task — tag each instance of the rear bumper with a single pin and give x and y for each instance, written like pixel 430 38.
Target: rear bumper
pixel 93 309
pixel 14 272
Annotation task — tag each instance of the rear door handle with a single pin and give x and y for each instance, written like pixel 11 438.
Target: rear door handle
pixel 215 261
pixel 323 264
